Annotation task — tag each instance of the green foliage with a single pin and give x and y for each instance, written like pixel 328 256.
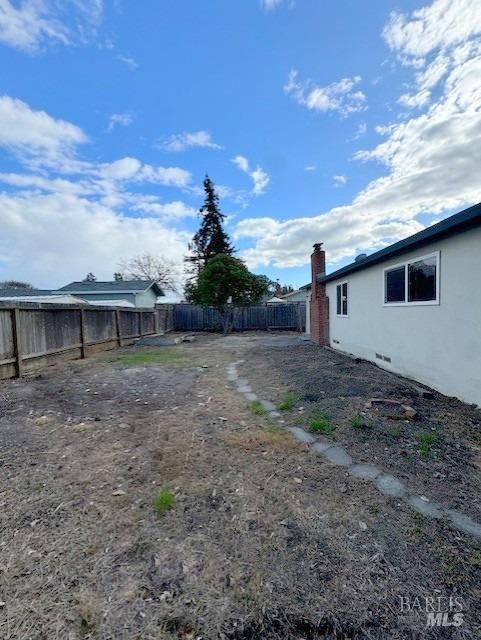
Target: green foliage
pixel 258 408
pixel 287 402
pixel 425 442
pixel 223 282
pixel 163 501
pixel 118 277
pixel 90 277
pixel 211 239
pixel 319 423
pixel 356 422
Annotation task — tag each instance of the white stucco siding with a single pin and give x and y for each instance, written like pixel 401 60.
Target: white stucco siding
pixel 439 345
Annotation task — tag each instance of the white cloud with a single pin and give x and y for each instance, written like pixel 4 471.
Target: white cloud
pixel 339 181
pixel 32 23
pixel 415 100
pixel 432 159
pixel 269 5
pixel 70 215
pixel 122 119
pixel 310 167
pixel 29 133
pixel 259 177
pixel 183 141
pixel 66 236
pixel 128 61
pixel 170 210
pixel 441 25
pixel 341 97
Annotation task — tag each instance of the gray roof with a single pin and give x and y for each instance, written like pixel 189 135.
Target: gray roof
pixel 459 222
pixel 114 286
pixel 14 293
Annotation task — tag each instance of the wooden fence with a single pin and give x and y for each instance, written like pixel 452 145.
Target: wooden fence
pixel 265 317
pixel 33 335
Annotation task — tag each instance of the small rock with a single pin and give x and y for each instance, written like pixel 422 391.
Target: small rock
pixel 362 525
pixel 119 492
pixel 298 480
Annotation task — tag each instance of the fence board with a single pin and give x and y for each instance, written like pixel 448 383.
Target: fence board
pixel 288 316
pixel 6 335
pixel 48 333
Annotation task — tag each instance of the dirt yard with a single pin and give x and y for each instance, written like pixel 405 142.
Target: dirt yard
pixel 142 498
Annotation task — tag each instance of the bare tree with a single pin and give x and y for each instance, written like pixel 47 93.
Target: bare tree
pixel 148 267
pixel 15 284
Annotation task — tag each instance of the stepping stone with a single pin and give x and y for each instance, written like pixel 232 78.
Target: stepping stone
pixel 390 486
pixel 232 377
pixel 274 414
pixel 463 523
pixel 339 456
pixel 244 388
pixel 301 436
pixel 268 405
pixel 425 507
pixel 364 471
pixel 322 445
pixel 252 397
pixel 242 381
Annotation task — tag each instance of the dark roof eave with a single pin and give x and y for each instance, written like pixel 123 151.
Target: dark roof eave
pixel 457 223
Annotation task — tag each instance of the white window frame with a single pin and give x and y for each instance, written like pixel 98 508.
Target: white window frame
pixel 340 284
pixel 405 264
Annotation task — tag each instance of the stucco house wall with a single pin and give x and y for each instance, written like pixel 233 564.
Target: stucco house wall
pixel 438 344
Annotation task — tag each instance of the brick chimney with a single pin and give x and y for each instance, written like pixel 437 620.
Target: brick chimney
pixel 319 307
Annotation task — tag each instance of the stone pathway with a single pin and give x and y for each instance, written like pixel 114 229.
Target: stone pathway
pixel 386 483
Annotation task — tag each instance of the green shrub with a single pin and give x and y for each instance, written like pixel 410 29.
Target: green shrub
pixel 319 423
pixel 425 442
pixel 258 408
pixel 287 402
pixel 356 422
pixel 163 501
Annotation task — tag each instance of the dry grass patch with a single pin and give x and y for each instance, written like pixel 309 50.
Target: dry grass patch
pixel 262 439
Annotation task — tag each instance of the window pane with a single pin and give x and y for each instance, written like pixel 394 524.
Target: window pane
pixel 395 285
pixel 344 299
pixel 422 280
pixel 339 297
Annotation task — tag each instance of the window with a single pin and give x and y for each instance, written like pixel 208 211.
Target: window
pixel 415 282
pixel 341 291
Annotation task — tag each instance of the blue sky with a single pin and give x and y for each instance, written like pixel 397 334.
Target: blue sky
pixel 319 121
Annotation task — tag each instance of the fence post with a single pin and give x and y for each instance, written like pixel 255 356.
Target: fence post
pixel 17 345
pixel 82 333
pixel 267 319
pixel 141 322
pixel 118 328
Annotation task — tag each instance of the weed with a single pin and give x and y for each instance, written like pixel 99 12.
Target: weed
pixel 425 442
pixel 164 501
pixel 258 408
pixel 356 422
pixel 287 402
pixel 319 423
pixel 149 357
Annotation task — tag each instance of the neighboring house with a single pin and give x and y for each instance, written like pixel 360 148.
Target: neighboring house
pixel 43 296
pixel 299 295
pixel 140 293
pixel 413 308
pixel 275 300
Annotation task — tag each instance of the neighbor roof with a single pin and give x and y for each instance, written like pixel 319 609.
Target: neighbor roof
pixel 462 221
pixel 114 286
pixel 16 293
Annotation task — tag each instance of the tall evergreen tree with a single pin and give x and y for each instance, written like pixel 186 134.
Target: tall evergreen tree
pixel 211 239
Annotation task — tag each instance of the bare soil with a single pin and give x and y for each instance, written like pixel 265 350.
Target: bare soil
pixel 264 539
